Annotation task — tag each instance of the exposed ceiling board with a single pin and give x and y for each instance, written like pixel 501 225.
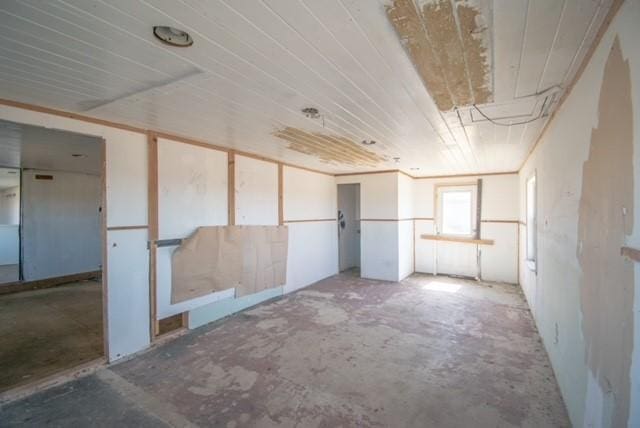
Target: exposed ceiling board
pixel 255 65
pixel 41 148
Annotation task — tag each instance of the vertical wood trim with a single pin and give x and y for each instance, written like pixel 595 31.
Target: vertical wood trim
pixel 152 161
pixel 231 191
pixel 105 256
pixel 280 194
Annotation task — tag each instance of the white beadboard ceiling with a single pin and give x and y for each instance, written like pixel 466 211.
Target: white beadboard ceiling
pixel 256 63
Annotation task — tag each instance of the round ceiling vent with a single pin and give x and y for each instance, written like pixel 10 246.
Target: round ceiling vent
pixel 173 36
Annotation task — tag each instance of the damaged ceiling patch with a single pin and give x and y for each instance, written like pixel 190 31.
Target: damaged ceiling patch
pixel 329 148
pixel 445 43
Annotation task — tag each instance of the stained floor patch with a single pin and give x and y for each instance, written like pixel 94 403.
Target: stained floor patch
pixel 445 43
pixel 329 148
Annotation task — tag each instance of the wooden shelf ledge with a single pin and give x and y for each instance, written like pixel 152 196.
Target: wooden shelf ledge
pixel 632 253
pixel 458 239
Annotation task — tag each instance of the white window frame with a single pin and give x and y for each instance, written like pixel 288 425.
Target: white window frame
pixel 462 187
pixel 531 212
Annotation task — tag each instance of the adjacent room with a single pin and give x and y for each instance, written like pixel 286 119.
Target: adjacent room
pixel 320 213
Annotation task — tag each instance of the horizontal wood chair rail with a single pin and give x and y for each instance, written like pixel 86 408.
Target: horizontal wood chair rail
pixel 631 253
pixel 457 239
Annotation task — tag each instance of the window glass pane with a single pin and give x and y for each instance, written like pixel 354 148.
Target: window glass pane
pixel 456 213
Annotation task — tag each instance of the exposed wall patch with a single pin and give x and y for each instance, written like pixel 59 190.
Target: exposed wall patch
pixel 329 148
pixel 446 47
pixel 605 220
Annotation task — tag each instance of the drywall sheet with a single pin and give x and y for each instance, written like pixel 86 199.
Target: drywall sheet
pixel 425 248
pixel 313 253
pixel 256 192
pixel 128 292
pixel 192 188
pixel 247 258
pixel 308 195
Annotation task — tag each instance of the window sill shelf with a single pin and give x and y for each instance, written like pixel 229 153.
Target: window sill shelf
pixel 458 239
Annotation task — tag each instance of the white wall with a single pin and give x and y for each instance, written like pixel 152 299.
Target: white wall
pixel 126 193
pixel 310 199
pixel 379 225
pixel 499 216
pixel 256 191
pixel 9 244
pixel 61 224
pixel 555 292
pixel 10 205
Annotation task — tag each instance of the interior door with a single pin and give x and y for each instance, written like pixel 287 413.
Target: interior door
pixel 349 225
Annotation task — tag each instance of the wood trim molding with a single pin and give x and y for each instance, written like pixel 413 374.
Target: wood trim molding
pixel 615 7
pixel 484 174
pixel 631 253
pixel 110 228
pixel 152 161
pixel 310 220
pixel 457 239
pixel 499 221
pixel 424 218
pixel 387 219
pixel 280 194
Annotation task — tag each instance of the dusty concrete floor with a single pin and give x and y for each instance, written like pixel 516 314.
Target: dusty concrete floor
pixel 430 352
pixel 43 332
pixel 8 273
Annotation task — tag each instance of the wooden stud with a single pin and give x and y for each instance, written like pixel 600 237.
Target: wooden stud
pixel 152 146
pixel 280 194
pixel 231 189
pixel 309 220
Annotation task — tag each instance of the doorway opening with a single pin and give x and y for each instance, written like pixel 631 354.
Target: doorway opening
pixel 349 226
pixel 51 252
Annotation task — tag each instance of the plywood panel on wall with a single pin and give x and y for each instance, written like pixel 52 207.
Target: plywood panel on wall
pixel 256 191
pixel 192 188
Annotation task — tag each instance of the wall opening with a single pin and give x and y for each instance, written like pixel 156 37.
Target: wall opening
pixel 349 226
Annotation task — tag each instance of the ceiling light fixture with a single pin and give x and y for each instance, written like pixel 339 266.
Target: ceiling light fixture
pixel 396 160
pixel 368 142
pixel 172 36
pixel 415 168
pixel 311 112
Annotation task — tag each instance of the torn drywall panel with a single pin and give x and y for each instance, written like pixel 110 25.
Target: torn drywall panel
pixel 247 258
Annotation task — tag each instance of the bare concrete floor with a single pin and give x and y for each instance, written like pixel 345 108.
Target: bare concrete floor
pixel 429 352
pixel 43 332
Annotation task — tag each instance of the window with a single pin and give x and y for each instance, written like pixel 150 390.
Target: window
pixel 532 223
pixel 456 210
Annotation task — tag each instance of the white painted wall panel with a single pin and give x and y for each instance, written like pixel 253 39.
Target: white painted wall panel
pixel 308 195
pixel 10 205
pixel 256 187
pixel 425 249
pixel 9 244
pixel 378 194
pixel 192 188
pixel 127 180
pixel 313 253
pixel 61 224
pixel 499 262
pixel 379 250
pixel 405 197
pixel 405 249
pixel 500 200
pixel 455 258
pixel 128 292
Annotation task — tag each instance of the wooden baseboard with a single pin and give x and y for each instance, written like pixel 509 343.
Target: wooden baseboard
pixel 19 286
